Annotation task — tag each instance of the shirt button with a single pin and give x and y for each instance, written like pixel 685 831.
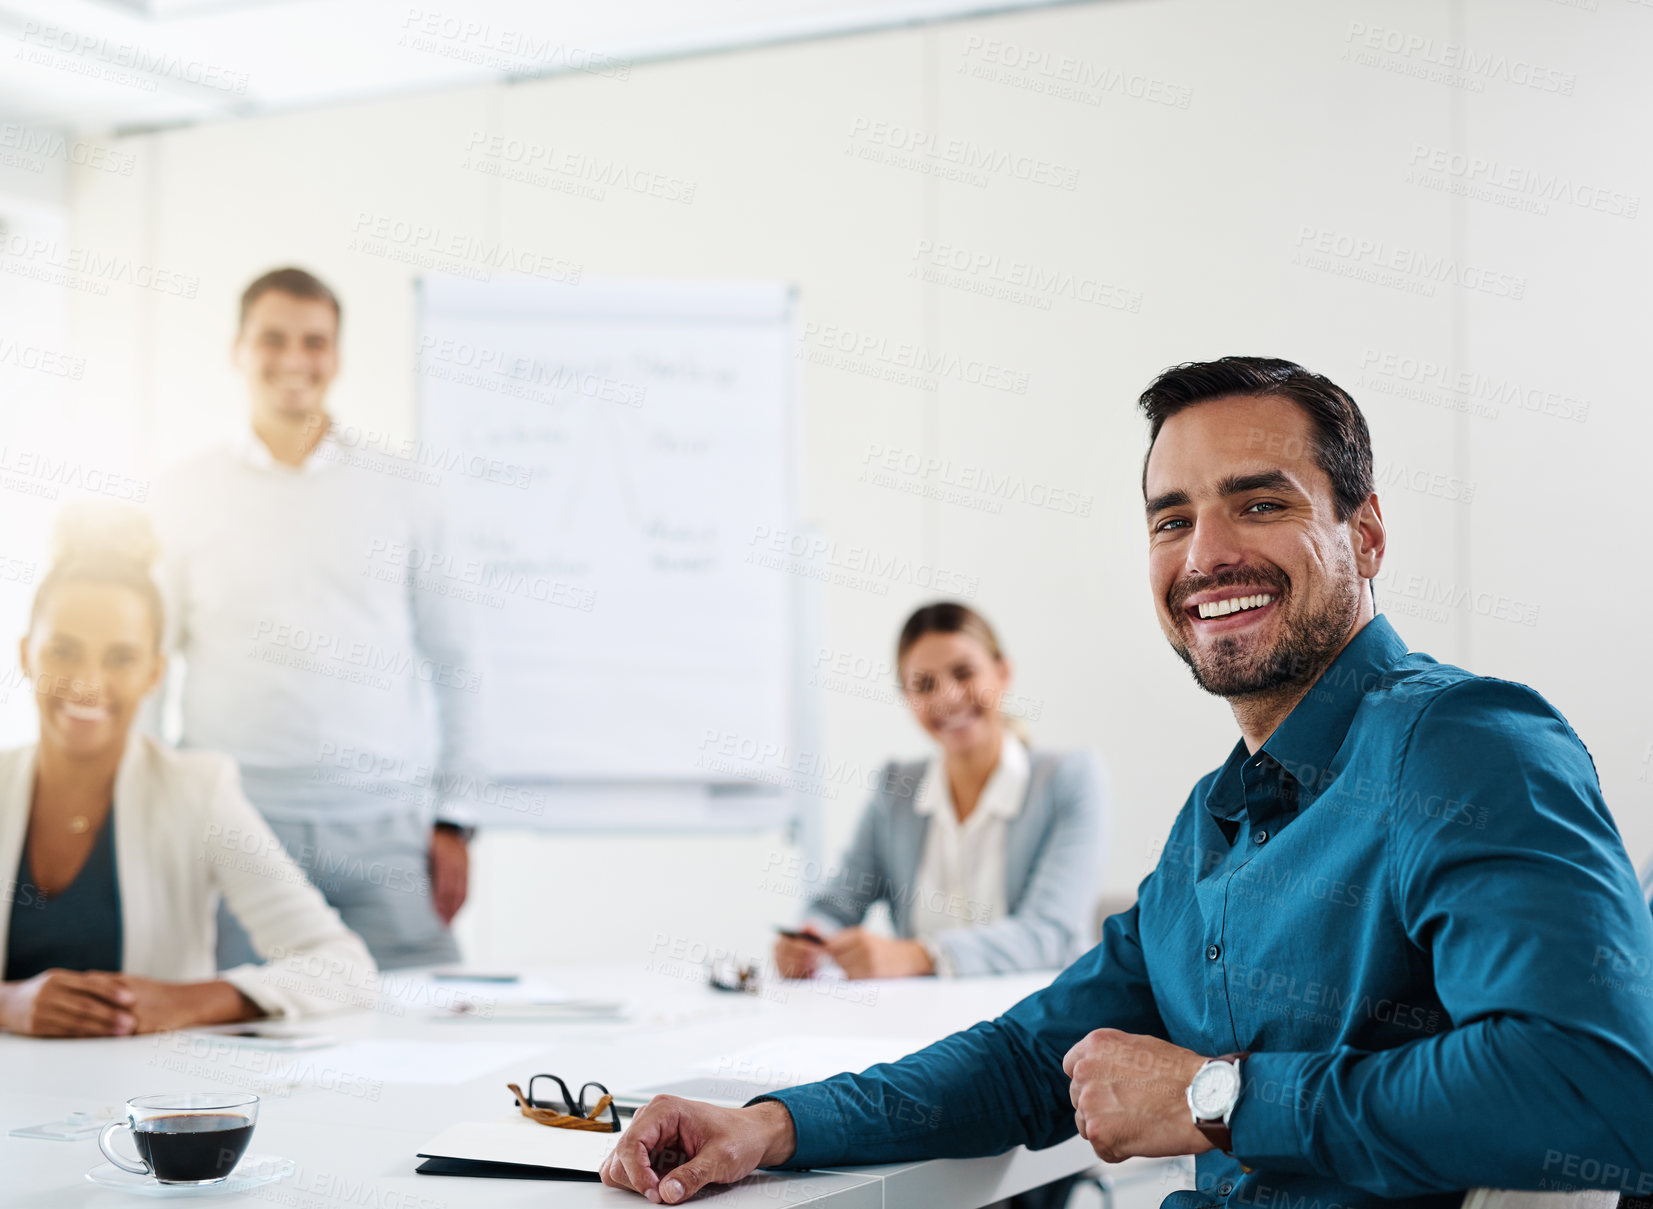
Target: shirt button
pixel 1224 1188
pixel 1213 952
pixel 1262 836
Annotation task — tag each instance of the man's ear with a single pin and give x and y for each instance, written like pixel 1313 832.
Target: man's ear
pixel 1368 537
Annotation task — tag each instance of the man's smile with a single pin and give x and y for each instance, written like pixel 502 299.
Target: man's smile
pixel 1228 609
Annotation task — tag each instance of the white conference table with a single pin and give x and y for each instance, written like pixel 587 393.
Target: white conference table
pixel 353 1131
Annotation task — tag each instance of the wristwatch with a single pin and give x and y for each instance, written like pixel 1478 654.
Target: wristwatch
pixel 1212 1095
pixel 464 831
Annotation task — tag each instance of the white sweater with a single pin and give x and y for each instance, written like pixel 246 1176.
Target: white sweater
pixel 184 835
pixel 319 619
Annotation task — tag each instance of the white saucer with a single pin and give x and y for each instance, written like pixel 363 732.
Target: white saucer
pixel 253 1171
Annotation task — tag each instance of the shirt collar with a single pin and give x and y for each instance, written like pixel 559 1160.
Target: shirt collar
pixel 1001 797
pixel 255 453
pixel 1306 742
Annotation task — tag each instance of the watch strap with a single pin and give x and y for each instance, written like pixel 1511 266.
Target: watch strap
pixel 1216 1129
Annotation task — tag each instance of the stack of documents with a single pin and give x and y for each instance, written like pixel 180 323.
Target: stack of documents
pixel 456 997
pixel 514 1147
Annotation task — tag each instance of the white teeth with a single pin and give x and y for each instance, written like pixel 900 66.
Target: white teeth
pixel 85 713
pixel 1234 604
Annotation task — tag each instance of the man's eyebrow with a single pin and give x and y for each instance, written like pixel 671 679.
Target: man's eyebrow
pixel 1170 499
pixel 1234 484
pixel 1262 480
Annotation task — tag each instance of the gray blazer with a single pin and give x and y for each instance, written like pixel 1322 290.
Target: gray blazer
pixel 1053 866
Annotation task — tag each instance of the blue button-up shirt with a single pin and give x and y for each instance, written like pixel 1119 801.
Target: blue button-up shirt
pixel 1411 905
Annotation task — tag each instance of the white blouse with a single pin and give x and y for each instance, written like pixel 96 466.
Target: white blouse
pixel 960 878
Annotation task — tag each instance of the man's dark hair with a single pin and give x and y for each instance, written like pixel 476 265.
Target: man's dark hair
pixel 300 283
pixel 1343 446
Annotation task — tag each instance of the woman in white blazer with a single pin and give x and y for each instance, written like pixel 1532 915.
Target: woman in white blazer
pixel 115 850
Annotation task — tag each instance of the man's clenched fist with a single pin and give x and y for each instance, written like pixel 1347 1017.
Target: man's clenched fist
pixel 1130 1095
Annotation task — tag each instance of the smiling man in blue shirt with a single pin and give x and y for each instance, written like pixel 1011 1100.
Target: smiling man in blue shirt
pixel 1393 948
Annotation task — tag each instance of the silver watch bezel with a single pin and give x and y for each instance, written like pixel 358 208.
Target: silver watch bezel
pixel 1205 1074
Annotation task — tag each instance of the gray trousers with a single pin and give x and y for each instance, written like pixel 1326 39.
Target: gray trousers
pixel 374 872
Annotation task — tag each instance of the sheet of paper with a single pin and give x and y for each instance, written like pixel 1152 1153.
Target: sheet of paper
pixel 463 996
pixel 787 1061
pixel 525 990
pixel 516 1139
pixel 419 1062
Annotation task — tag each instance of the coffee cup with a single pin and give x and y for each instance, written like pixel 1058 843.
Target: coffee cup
pixel 190 1137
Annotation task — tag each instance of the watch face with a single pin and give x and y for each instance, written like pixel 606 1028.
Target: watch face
pixel 1215 1087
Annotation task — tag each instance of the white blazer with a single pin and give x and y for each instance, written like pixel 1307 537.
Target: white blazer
pixel 185 835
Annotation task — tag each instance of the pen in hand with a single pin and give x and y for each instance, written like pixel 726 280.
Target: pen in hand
pixel 808 938
pixel 798 952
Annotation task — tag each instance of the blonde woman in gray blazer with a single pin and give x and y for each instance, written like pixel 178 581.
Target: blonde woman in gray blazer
pixel 115 850
pixel 988 857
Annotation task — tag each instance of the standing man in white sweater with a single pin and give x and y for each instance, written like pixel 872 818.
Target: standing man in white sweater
pixel 344 686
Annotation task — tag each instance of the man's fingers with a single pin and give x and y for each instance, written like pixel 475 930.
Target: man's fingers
pixel 447 904
pixel 715 1164
pixel 449 875
pixel 631 1167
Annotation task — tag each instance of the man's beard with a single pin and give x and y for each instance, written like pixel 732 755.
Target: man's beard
pixel 1231 667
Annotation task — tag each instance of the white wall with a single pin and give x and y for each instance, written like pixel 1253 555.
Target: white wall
pixel 1296 132
pixel 39 371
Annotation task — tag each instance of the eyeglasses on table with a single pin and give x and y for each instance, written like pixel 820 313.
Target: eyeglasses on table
pixel 570 1112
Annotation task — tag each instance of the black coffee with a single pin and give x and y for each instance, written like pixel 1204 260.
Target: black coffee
pixel 187 1148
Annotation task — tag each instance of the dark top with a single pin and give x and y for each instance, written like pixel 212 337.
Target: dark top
pixel 77 929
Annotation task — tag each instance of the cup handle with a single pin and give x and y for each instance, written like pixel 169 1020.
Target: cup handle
pixel 109 1151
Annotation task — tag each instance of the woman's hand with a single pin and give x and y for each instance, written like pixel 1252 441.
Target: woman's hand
pixel 798 958
pixel 96 1003
pixel 68 1003
pixel 160 1006
pixel 862 954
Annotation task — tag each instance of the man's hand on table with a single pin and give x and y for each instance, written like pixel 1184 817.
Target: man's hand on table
pixel 1130 1095
pixel 675 1147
